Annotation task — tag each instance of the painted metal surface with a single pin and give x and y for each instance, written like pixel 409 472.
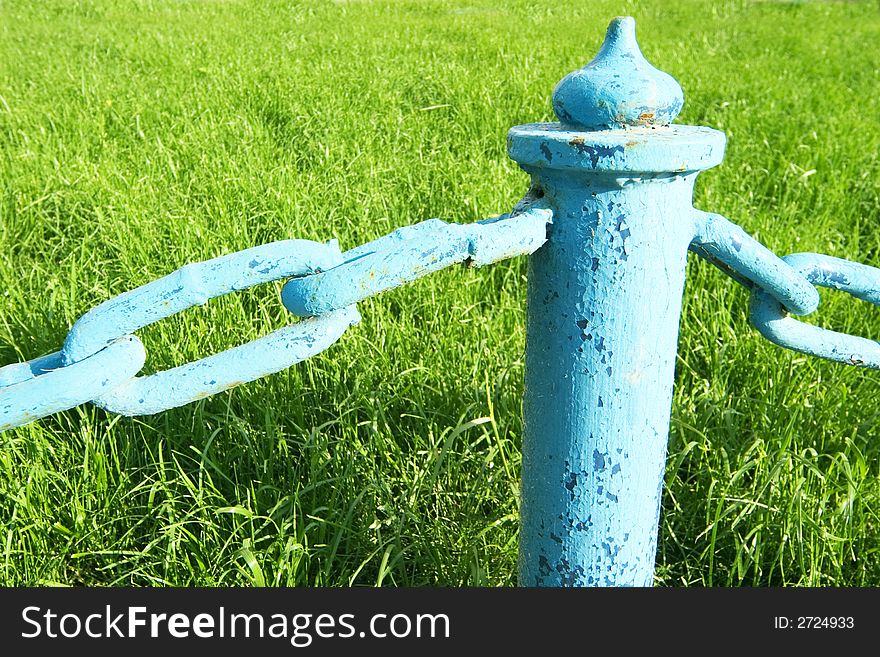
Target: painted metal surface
pixel 196 284
pixel 861 281
pixel 413 252
pixel 329 284
pixel 145 395
pixel 741 256
pixel 193 285
pixel 100 359
pixel 619 88
pixel 29 391
pixel 604 301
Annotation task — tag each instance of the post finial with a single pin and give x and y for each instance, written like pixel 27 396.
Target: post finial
pixel 618 88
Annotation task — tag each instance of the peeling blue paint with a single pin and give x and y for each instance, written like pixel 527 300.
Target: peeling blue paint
pixel 769 315
pixel 611 275
pixel 741 256
pixel 413 252
pixel 594 152
pixel 29 391
pixel 146 395
pixel 195 284
pixel 192 285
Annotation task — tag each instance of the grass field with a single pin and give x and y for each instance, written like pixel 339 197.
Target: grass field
pixel 139 136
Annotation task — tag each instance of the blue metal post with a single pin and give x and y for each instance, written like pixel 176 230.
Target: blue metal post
pixel 604 301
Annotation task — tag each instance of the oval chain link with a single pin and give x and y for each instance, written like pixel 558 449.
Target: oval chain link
pixel 786 285
pixel 861 281
pixel 42 386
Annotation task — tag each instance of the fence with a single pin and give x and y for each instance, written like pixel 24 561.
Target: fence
pixel 608 223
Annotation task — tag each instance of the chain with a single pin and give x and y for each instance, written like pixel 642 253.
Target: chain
pixel 100 358
pixel 781 286
pixel 861 281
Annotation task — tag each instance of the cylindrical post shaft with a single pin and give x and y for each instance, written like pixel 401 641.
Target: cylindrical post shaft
pixel 604 302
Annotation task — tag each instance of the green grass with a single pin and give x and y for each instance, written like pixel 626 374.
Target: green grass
pixel 139 136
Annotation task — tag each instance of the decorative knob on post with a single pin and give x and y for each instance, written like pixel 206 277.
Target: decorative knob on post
pixel 604 302
pixel 618 88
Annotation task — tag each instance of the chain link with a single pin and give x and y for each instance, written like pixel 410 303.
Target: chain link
pixel 746 260
pixel 100 358
pixel 412 252
pixel 42 386
pixel 861 281
pixel 786 285
pixel 195 284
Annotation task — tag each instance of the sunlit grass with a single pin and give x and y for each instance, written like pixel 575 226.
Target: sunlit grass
pixel 138 136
